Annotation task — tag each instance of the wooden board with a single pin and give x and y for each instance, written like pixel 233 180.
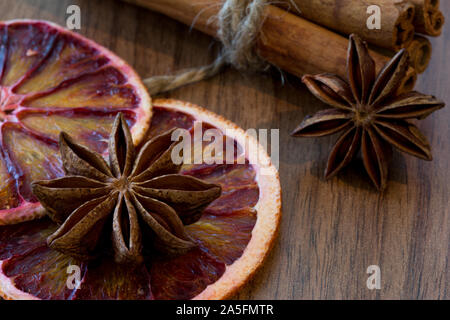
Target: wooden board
pixel 331 230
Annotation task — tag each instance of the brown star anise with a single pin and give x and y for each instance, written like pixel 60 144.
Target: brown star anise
pixel 97 204
pixel 370 112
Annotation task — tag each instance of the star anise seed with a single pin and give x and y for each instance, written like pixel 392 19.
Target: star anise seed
pixel 370 112
pixel 117 203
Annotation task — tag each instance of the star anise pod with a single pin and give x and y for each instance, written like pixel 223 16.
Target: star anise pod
pixel 370 112
pixel 99 204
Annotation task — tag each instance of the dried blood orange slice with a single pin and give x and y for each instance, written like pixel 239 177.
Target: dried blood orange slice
pixel 233 235
pixel 54 80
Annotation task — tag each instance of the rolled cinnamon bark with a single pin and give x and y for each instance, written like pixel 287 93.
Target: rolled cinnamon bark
pixel 287 41
pixel 300 46
pixel 350 16
pixel 408 82
pixel 419 53
pixel 428 19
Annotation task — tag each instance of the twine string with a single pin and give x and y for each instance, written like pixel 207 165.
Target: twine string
pixel 239 23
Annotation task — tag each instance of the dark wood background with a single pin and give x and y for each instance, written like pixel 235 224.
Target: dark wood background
pixel 331 231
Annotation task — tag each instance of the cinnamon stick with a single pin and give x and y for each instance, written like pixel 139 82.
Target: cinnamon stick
pixel 408 82
pixel 428 18
pixel 287 41
pixel 350 16
pixel 419 53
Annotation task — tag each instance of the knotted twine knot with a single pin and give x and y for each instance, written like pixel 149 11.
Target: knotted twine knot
pixel 239 23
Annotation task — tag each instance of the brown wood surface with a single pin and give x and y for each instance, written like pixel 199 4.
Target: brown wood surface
pixel 331 231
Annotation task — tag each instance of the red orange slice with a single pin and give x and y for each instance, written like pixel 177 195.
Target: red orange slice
pixel 54 80
pixel 233 235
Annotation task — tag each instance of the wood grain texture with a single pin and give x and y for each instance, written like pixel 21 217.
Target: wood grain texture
pixel 331 230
